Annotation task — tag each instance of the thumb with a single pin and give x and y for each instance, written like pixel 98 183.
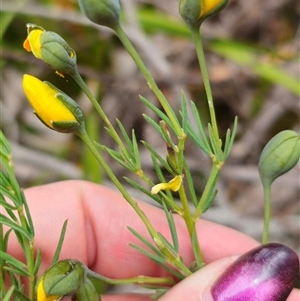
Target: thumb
pixel 266 273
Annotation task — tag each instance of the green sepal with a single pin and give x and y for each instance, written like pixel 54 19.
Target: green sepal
pixel 87 292
pixel 31 27
pixel 56 52
pixel 64 277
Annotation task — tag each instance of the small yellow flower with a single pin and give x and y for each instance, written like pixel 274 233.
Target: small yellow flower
pixel 33 42
pixel 208 5
pixel 54 108
pixel 194 12
pixel 41 295
pixel 173 185
pixel 51 48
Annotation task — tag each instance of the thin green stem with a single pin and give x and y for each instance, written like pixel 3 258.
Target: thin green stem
pixel 29 254
pixel 267 214
pixel 137 280
pixel 189 221
pixel 209 189
pixel 137 59
pixel 81 83
pixel 201 57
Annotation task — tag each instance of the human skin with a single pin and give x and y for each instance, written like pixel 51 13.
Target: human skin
pixel 97 235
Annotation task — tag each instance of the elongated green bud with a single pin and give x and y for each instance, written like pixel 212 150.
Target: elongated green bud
pixel 51 48
pixel 194 12
pixel 102 12
pixel 63 278
pixel 280 155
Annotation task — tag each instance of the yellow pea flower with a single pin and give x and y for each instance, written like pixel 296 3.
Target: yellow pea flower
pixel 194 12
pixel 53 107
pixel 41 295
pixel 173 185
pixel 33 42
pixel 51 48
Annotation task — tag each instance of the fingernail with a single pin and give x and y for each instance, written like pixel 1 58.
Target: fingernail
pixel 266 273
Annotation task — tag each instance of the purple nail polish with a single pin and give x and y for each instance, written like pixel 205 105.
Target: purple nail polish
pixel 266 273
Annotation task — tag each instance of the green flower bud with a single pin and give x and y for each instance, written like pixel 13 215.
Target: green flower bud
pixel 194 12
pixel 63 278
pixel 86 292
pixel 102 12
pixel 280 155
pixel 51 48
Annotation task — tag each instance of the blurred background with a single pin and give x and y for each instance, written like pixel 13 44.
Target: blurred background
pixel 252 52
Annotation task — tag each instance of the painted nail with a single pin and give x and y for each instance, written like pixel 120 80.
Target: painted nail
pixel 266 273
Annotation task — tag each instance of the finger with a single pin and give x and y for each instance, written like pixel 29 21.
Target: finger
pixel 197 287
pixel 97 231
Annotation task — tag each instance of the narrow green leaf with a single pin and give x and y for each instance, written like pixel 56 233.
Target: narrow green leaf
pixel 135 150
pixel 5 240
pixel 152 123
pixel 167 244
pixel 228 145
pixel 6 221
pixel 211 198
pixel 5 149
pixel 215 146
pixel 12 261
pixel 157 157
pixel 195 245
pixel 21 295
pixel 6 205
pixel 16 271
pixel 184 112
pixel 198 142
pixel 124 133
pixel 38 261
pixel 145 241
pixel 172 228
pixel 144 190
pixel 203 138
pixel 157 259
pixel 60 243
pixel 8 293
pixel 159 113
pixel 28 214
pixel 117 157
pixel 190 183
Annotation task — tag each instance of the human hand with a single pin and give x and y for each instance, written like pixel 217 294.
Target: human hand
pixel 97 235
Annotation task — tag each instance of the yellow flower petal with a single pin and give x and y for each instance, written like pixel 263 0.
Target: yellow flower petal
pixel 45 104
pixel 173 185
pixel 208 5
pixel 33 43
pixel 41 295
